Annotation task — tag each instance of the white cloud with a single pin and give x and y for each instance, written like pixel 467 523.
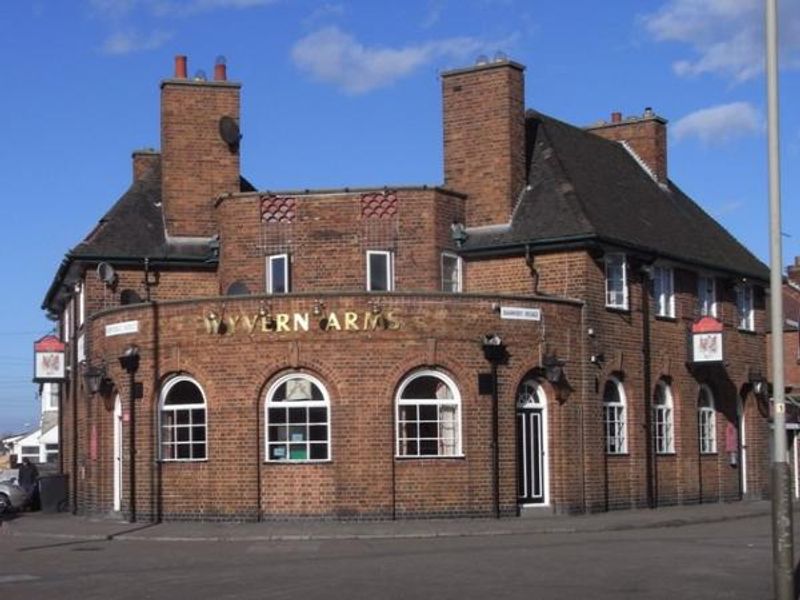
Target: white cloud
pixel 720 124
pixel 326 11
pixel 127 42
pixel 728 208
pixel 333 56
pixel 191 7
pixel 726 36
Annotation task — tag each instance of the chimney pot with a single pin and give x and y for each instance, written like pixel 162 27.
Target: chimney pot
pixel 180 67
pixel 220 69
pixel 616 117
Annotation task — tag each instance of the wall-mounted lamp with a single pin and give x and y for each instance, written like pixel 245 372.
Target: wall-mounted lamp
pixel 375 307
pixel 757 381
pixel 94 377
pixel 553 368
pixel 458 232
pixel 130 359
pixel 493 349
pixel 319 308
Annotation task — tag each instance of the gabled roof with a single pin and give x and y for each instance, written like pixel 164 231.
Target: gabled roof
pixel 583 188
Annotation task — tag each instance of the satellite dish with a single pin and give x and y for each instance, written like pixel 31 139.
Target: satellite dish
pixel 106 273
pixel 229 131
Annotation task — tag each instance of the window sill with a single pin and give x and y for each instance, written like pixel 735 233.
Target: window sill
pixel 614 454
pixel 431 457
pixel 618 309
pixel 183 460
pixel 299 462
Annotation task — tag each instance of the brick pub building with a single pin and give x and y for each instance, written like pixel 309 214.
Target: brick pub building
pixel 516 337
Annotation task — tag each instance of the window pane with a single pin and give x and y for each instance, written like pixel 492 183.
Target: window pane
pixel 318 433
pixel 428 412
pixel 182 434
pixel 408 430
pixel 198 434
pixel 198 451
pixel 297 433
pixel 298 452
pixel 408 413
pixel 278 433
pixel 184 392
pixel 182 417
pixel 319 451
pixel 428 430
pixel 278 275
pixel 277 452
pixel 379 272
pixel 317 415
pixel 297 415
pixel 277 415
pixel 198 416
pixel 183 451
pixel 428 447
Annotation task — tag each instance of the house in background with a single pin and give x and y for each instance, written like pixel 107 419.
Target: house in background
pixel 40 445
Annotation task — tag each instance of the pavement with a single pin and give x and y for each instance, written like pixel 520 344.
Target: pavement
pixel 539 521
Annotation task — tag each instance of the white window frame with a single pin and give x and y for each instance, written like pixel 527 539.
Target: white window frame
pixel 615 417
pixel 287 405
pixel 270 283
pixel 616 269
pixel 663 419
pixel 389 257
pixel 401 434
pixel 174 409
pixel 664 291
pixel 707 295
pixel 706 421
pixel 81 290
pixel 452 285
pixel 65 323
pixel 745 312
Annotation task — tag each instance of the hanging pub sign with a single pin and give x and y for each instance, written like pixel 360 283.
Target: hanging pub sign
pixel 707 341
pixel 48 360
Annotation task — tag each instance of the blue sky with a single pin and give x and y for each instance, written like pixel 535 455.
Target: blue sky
pixel 346 93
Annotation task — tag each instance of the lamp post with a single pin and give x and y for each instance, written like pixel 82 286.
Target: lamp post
pixel 495 352
pixel 130 362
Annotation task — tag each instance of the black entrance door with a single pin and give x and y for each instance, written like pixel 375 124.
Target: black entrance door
pixel 530 456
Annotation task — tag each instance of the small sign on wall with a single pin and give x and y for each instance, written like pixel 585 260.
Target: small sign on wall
pixel 122 328
pixel 520 313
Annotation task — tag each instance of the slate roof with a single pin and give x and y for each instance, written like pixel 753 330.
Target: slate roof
pixel 132 230
pixel 583 188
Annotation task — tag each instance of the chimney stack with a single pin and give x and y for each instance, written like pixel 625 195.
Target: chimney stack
pixel 645 135
pixel 220 69
pixel 793 271
pixel 484 137
pixel 197 165
pixel 146 163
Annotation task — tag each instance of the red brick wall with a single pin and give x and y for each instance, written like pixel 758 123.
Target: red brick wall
pixel 646 136
pixel 196 164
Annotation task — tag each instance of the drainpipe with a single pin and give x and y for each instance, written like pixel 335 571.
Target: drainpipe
pixel 130 362
pixel 650 466
pixel 495 352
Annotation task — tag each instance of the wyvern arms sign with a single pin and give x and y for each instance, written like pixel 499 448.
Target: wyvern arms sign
pixel 262 322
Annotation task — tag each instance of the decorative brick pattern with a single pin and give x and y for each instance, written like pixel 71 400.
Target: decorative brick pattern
pixel 278 209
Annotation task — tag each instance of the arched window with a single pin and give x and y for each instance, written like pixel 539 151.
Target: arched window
pixel 663 419
pixel 183 420
pixel 297 419
pixel 614 417
pixel 706 421
pixel 428 416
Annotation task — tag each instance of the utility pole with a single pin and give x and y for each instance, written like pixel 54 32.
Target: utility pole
pixel 782 542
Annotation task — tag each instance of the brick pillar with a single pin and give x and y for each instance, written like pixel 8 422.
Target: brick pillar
pixel 793 271
pixel 484 138
pixel 196 163
pixel 645 135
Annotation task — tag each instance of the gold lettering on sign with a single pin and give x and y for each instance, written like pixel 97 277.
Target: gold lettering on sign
pixel 293 322
pixel 351 321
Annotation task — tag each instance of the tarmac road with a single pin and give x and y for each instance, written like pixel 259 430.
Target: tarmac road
pixel 729 560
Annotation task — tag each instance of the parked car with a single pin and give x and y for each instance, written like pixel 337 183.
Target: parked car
pixel 12 496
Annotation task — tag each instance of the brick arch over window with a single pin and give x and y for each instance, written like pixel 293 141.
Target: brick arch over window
pixel 182 412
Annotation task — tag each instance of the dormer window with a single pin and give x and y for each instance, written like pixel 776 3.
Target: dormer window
pixel 616 281
pixel 380 271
